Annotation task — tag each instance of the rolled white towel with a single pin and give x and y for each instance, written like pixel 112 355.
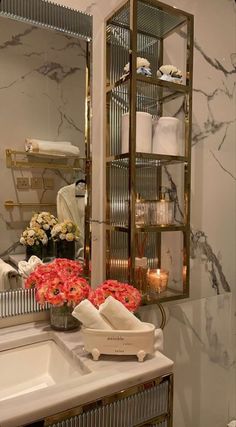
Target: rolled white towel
pixel 26 267
pixel 9 277
pixel 119 316
pixel 50 147
pixel 89 316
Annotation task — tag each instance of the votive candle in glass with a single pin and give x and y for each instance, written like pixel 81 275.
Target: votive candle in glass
pixel 158 279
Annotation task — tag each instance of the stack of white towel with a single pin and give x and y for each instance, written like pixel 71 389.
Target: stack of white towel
pixel 51 147
pixel 25 268
pixel 9 277
pixel 112 314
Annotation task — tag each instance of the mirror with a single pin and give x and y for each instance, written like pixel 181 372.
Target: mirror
pixel 44 122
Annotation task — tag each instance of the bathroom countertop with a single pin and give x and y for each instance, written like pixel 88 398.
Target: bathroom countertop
pixel 104 377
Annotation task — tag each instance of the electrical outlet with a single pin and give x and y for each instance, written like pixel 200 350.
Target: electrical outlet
pixel 48 183
pixel 22 183
pixel 36 183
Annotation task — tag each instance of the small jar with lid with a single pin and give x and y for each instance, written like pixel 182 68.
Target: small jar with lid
pixel 141 211
pixel 164 209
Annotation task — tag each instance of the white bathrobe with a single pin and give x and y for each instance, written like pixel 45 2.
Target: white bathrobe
pixel 71 207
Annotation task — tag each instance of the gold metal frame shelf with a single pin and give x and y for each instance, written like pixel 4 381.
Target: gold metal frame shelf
pixel 9 204
pixel 148 15
pixel 59 161
pixel 138 29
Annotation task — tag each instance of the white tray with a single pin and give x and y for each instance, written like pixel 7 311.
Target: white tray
pixel 120 342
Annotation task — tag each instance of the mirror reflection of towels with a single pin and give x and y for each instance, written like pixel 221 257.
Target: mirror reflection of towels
pixel 9 277
pixel 71 207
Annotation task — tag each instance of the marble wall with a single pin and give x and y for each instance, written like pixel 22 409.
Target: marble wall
pixel 42 90
pixel 200 332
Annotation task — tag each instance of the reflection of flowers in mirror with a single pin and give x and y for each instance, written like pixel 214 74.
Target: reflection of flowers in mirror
pixel 66 230
pixel 33 236
pixel 44 220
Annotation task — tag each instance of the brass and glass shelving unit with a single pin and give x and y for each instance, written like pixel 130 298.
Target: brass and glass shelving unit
pixel 152 30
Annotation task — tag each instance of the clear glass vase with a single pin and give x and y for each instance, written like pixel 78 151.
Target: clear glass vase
pixel 61 318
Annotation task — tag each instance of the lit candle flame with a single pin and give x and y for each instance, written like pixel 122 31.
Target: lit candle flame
pixel 158 272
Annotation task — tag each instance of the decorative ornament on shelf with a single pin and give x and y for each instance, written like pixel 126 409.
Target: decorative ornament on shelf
pixel 59 283
pixel 34 239
pixel 129 296
pixel 142 67
pixel 169 73
pixel 65 234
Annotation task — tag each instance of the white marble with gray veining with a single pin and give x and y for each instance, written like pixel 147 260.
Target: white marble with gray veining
pixel 42 92
pixel 200 333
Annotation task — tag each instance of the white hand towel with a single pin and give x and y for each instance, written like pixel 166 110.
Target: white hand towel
pixel 26 267
pixel 87 314
pixel 119 316
pixel 50 147
pixel 9 277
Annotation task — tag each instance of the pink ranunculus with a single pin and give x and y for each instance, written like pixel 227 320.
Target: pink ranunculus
pixel 129 296
pixel 59 282
pixel 97 297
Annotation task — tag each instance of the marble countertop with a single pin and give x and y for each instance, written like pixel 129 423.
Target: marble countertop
pixel 104 377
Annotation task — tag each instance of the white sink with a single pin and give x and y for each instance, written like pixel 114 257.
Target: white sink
pixel 33 367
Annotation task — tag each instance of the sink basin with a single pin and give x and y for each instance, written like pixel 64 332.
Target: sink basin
pixel 33 367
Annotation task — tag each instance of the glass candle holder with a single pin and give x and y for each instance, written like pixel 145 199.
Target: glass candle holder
pixel 157 280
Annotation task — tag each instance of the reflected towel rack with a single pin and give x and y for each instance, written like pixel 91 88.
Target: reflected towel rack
pixel 9 204
pixel 54 161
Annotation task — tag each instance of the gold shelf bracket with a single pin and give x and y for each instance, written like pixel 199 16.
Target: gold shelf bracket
pixel 9 204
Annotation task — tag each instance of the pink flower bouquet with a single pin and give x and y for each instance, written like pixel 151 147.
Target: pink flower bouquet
pixel 59 283
pixel 129 296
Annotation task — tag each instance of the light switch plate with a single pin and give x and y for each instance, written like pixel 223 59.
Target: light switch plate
pixel 22 183
pixel 36 182
pixel 48 183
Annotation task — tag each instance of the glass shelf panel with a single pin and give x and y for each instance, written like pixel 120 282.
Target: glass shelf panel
pixel 122 160
pixel 161 90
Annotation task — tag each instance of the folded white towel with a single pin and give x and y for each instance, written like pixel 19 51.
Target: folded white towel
pixel 119 316
pixel 89 316
pixel 9 277
pixel 26 267
pixel 50 147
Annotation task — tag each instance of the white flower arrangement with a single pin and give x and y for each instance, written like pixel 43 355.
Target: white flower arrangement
pixel 66 230
pixel 141 62
pixel 169 73
pixel 33 236
pixel 44 220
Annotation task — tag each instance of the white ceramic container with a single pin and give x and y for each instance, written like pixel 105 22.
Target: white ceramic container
pixel 143 132
pixel 120 342
pixel 166 139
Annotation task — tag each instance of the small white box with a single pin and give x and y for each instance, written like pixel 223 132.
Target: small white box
pixel 120 342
